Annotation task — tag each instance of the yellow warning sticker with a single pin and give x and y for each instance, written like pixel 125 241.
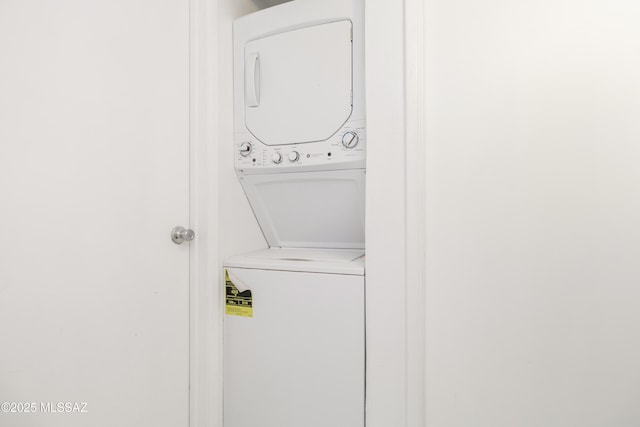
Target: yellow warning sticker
pixel 237 303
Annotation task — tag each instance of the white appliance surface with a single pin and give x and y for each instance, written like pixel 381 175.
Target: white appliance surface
pixel 303 74
pixel 327 155
pixel 294 349
pixel 300 360
pixel 309 209
pixel 299 87
pixel 332 261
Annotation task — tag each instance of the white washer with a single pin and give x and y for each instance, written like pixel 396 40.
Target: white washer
pixel 299 360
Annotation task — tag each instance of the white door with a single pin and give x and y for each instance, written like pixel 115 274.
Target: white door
pixel 94 116
pixel 298 84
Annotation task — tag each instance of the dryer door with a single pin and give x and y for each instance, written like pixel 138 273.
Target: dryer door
pixel 298 84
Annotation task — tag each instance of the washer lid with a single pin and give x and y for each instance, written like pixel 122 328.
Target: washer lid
pixel 309 209
pixel 298 83
pixel 302 260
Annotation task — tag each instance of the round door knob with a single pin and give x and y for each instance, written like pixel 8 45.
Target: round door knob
pixel 276 158
pixel 294 156
pixel 245 149
pixel 179 235
pixel 350 139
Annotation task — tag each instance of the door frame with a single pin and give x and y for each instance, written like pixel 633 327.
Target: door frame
pixel 416 203
pixel 396 386
pixel 395 214
pixel 205 334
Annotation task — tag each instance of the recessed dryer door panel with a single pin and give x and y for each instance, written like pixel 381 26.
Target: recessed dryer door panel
pixel 298 84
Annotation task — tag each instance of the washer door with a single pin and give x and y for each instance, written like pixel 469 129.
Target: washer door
pixel 298 84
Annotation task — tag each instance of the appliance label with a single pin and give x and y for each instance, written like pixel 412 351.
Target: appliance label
pixel 237 303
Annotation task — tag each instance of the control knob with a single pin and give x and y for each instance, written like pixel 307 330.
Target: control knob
pixel 350 139
pixel 276 158
pixel 294 156
pixel 245 149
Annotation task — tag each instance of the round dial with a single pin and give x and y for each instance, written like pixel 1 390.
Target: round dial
pixel 245 149
pixel 350 139
pixel 276 158
pixel 294 156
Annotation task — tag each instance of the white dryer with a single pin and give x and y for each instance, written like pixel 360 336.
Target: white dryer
pixel 294 331
pixel 299 119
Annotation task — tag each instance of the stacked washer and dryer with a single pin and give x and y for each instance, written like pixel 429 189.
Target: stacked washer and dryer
pixel 294 329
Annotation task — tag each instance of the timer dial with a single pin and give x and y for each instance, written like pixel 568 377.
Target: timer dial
pixel 294 156
pixel 245 149
pixel 350 139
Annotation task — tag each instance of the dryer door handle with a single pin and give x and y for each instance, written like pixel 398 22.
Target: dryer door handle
pixel 252 80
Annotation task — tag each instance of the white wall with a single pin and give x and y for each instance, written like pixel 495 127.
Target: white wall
pixel 385 215
pixel 220 215
pixel 533 203
pixel 239 230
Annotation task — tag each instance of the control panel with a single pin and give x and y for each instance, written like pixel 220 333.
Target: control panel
pixel 344 150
